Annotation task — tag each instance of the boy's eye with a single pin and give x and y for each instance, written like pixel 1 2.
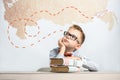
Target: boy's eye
pixel 74 37
pixel 67 33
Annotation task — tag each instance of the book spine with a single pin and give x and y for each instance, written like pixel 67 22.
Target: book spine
pixel 64 69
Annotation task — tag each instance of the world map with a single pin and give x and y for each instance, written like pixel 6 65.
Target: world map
pixel 23 13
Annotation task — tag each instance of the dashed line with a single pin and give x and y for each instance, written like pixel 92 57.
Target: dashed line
pixel 68 7
pixel 38 41
pixel 19 19
pixel 16 47
pixel 102 13
pixel 31 44
pixel 23 47
pixel 12 43
pixel 63 9
pixel 54 32
pixel 8 37
pixel 43 37
pixel 52 14
pixel 49 34
pixel 33 35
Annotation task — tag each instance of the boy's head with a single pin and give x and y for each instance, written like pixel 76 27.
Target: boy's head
pixel 74 37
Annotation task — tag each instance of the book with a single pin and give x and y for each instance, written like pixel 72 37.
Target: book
pixel 65 61
pixel 56 61
pixel 64 69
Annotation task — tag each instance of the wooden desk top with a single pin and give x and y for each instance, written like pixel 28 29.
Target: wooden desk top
pixel 59 76
pixel 44 74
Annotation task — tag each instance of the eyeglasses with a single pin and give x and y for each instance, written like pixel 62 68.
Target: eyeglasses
pixel 71 36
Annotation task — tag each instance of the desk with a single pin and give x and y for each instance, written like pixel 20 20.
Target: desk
pixel 59 76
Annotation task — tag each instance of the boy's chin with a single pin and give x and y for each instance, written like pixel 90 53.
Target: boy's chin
pixel 66 44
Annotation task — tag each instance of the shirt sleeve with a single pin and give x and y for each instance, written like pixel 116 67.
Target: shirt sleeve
pixel 88 64
pixel 54 54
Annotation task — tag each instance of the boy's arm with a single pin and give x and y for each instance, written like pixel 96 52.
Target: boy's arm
pixel 61 49
pixel 58 52
pixel 61 46
pixel 88 64
pixel 55 53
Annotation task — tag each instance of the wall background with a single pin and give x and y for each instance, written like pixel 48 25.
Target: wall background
pixel 30 29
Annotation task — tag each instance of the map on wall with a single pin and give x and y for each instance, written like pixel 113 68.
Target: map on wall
pixel 23 16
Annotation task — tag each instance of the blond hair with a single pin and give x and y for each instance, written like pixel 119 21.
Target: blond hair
pixel 80 30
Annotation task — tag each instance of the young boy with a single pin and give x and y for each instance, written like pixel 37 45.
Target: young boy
pixel 69 45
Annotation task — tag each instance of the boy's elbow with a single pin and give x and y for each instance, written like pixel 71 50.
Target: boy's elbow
pixel 93 69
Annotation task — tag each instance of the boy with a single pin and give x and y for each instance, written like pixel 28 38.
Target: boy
pixel 69 45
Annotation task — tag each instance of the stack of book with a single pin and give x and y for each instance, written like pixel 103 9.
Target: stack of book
pixel 64 65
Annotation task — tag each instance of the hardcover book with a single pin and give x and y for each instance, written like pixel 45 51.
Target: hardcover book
pixel 65 61
pixel 64 69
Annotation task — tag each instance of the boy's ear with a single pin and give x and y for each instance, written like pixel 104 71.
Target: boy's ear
pixel 78 46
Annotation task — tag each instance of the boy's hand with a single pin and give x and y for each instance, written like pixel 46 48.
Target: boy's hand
pixel 62 46
pixel 60 43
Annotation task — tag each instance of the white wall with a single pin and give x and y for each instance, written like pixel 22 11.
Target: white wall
pixel 101 45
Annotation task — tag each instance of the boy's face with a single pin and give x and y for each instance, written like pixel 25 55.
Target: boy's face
pixel 72 39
